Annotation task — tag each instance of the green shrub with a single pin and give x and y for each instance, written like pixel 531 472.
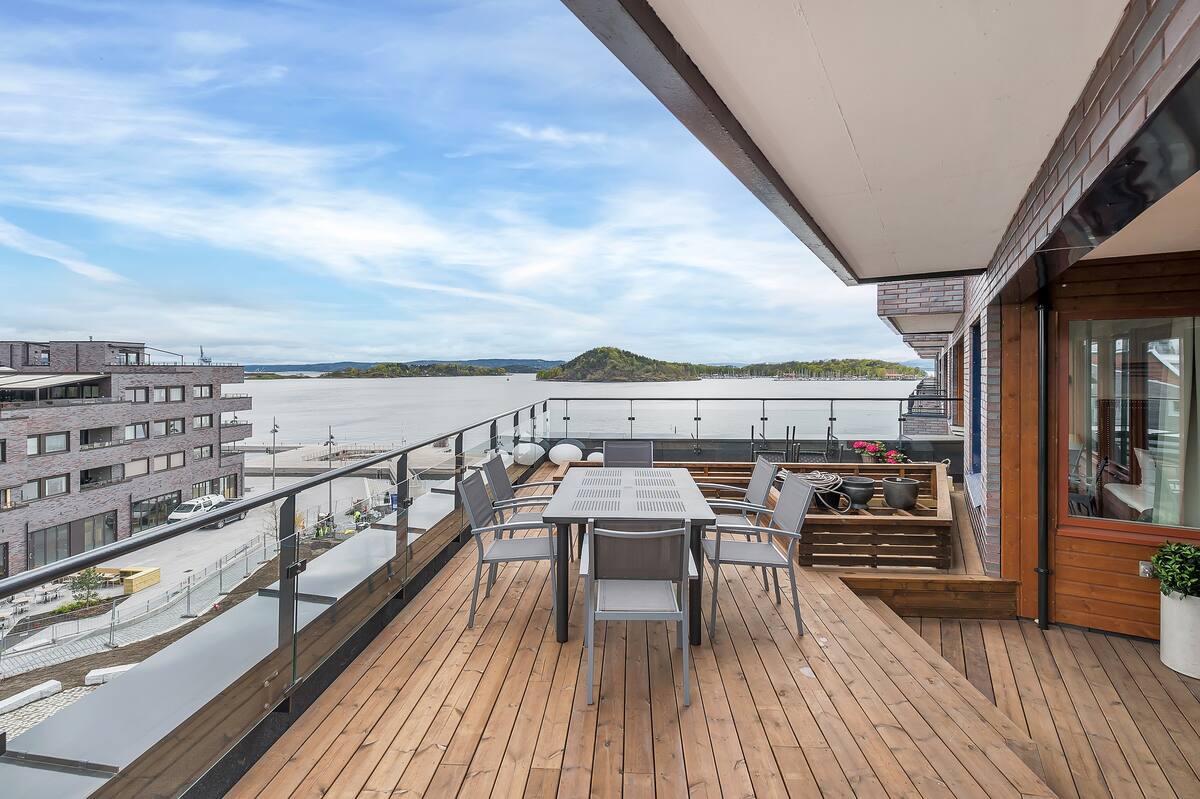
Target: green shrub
pixel 76 605
pixel 1177 567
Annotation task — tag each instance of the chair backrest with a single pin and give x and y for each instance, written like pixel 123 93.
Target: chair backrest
pixel 475 499
pixel 628 454
pixel 497 478
pixel 761 480
pixel 639 551
pixel 795 498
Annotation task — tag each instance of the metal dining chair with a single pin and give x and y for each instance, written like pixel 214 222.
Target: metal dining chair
pixel 485 518
pixel 786 521
pixel 753 502
pixel 629 454
pixel 504 495
pixel 637 573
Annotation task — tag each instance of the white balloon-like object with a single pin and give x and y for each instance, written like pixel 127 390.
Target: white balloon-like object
pixel 528 454
pixel 596 457
pixel 564 453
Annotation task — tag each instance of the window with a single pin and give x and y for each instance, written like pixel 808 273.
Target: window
pixel 137 430
pixel 160 394
pixel 1133 407
pixel 168 427
pixel 3 559
pixel 154 511
pixel 226 486
pixel 172 460
pixel 8 498
pixel 202 453
pixel 45 487
pixel 47 443
pixel 137 395
pixel 137 468
pixel 202 392
pixel 976 400
pixel 202 421
pixel 47 545
pixel 99 530
pixel 175 394
pixel 3 450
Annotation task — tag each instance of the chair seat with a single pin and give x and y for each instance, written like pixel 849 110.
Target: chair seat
pixel 725 519
pixel 636 596
pixel 508 549
pixel 744 553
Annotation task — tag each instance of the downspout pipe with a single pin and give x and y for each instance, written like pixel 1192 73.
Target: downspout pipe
pixel 1043 467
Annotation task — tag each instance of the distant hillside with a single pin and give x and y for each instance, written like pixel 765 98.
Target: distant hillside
pixel 509 365
pixel 612 365
pixel 416 370
pixel 274 376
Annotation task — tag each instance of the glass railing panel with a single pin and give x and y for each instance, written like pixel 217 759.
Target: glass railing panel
pixel 203 584
pixel 664 419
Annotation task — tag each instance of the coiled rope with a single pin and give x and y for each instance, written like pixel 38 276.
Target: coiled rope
pixel 826 485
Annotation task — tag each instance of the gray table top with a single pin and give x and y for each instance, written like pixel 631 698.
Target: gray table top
pixel 627 495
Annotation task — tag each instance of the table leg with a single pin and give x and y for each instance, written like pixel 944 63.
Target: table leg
pixel 564 563
pixel 695 590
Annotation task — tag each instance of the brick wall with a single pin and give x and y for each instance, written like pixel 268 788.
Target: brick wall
pixel 17 423
pixel 934 295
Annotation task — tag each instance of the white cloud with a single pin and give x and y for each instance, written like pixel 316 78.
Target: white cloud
pixel 21 240
pixel 552 134
pixel 208 43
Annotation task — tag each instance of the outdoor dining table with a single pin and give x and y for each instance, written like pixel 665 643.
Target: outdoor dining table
pixel 640 494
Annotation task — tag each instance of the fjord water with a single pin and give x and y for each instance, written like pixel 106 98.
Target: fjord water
pixel 404 410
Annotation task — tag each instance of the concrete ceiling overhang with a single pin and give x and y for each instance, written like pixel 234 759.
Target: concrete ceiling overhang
pixel 925 322
pixel 895 139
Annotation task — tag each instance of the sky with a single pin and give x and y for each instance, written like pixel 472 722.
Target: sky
pixel 306 181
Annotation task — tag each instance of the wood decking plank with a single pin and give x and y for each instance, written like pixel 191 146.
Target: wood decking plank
pixel 978 670
pixel 608 756
pixel 1004 684
pixel 671 776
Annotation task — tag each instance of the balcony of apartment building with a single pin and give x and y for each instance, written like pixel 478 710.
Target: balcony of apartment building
pixel 233 402
pixel 912 669
pixel 101 476
pixel 235 429
pixel 95 438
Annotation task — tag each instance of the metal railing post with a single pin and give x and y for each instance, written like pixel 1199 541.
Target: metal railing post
pixel 763 420
pixel 566 419
pixel 288 552
pixel 112 625
pixel 221 575
pixel 696 419
pixel 459 464
pixel 900 424
pixel 516 429
pixel 494 435
pixel 631 418
pixel 187 613
pixel 402 504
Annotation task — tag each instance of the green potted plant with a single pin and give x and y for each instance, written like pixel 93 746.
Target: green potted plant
pixel 1177 567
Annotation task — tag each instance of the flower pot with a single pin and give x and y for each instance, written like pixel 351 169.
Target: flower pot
pixel 868 457
pixel 900 492
pixel 859 489
pixel 1179 622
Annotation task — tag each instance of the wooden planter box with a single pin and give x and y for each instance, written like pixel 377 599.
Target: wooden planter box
pixel 870 538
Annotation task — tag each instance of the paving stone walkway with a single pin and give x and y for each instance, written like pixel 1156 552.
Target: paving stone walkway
pixel 18 721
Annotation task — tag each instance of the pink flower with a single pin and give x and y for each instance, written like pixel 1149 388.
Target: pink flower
pixel 859 444
pixel 872 448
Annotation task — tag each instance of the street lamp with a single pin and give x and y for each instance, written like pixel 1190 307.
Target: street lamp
pixel 329 443
pixel 274 430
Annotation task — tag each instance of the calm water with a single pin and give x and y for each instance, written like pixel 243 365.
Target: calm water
pixel 402 410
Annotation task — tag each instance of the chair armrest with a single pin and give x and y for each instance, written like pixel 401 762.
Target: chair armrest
pixel 734 505
pixel 742 529
pixel 506 526
pixel 520 501
pixel 692 573
pixel 519 486
pixel 722 486
pixel 585 558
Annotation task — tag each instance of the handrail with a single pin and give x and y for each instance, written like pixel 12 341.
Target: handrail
pixel 906 398
pixel 164 532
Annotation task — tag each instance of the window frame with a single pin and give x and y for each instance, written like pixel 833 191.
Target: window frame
pixel 1096 527
pixel 202 391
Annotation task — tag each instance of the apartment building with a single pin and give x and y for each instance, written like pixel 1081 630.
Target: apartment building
pixel 98 441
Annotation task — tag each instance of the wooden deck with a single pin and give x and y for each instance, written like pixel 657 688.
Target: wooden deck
pixel 861 706
pixel 1109 719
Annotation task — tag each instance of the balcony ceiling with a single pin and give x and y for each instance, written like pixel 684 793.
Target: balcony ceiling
pixel 1165 227
pixel 909 132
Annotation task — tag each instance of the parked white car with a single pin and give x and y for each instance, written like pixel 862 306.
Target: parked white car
pixel 198 506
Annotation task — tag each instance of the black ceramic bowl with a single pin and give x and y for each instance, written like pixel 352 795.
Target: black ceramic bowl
pixel 859 489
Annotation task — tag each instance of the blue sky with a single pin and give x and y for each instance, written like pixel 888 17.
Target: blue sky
pixel 306 180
